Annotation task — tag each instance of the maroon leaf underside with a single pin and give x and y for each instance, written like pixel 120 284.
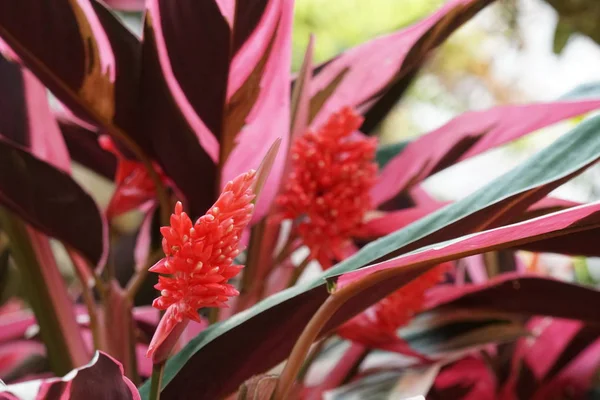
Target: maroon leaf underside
pixel 245 343
pixel 84 149
pixel 197 39
pixel 247 16
pixel 48 38
pixel 521 294
pixel 128 52
pixel 176 145
pixel 50 200
pixel 13 105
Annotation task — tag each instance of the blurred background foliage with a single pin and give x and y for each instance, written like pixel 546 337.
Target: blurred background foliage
pixel 339 25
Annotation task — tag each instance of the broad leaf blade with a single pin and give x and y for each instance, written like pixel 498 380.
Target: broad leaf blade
pixel 520 295
pixel 284 315
pixel 177 153
pixel 82 143
pixel 66 45
pixel 25 116
pixel 51 201
pixel 266 97
pixel 468 135
pixel 101 378
pixel 363 75
pixel 192 39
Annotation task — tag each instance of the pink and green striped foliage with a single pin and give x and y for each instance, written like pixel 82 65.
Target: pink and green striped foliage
pixel 199 99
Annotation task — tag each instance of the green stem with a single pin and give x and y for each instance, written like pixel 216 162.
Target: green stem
pixel 137 280
pixel 47 294
pixel 156 380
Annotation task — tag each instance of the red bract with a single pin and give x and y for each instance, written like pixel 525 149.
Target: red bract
pixel 134 186
pixel 328 188
pixel 378 325
pixel 199 257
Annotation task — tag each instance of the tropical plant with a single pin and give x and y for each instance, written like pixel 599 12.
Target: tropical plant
pixel 353 273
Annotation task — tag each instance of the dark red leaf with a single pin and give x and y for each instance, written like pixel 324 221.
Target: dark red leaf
pixel 521 294
pixel 25 116
pixel 174 142
pixel 82 142
pixel 245 342
pixel 195 38
pixel 101 379
pixel 51 201
pixel 248 13
pixel 127 51
pixel 66 45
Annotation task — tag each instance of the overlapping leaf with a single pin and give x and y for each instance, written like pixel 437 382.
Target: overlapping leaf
pixel 51 201
pixel 73 48
pixel 101 378
pixel 229 104
pixel 372 77
pixel 25 116
pixel 27 177
pixel 468 135
pixel 283 316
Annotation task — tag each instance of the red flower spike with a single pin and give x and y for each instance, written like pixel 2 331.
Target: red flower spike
pixel 333 170
pixel 377 326
pixel 198 261
pixel 134 186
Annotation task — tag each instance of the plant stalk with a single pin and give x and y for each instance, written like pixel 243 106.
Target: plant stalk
pixel 315 327
pixel 137 280
pixel 156 380
pixel 47 294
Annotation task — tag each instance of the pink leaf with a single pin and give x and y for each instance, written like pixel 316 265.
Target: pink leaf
pixel 368 70
pixel 269 116
pixel 144 238
pixel 126 5
pixel 301 94
pixel 26 119
pixel 562 356
pixel 571 220
pixel 467 135
pixel 101 378
pixel 470 376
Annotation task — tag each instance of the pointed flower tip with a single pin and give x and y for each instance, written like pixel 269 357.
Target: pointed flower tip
pixel 161 267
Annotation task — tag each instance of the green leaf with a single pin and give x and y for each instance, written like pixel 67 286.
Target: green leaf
pixel 586 91
pixel 386 153
pixel 262 336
